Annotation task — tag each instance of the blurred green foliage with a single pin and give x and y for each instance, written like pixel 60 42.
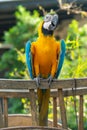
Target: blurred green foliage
pixel 26 25
pixel 15 106
pixel 17 36
pixel 75 64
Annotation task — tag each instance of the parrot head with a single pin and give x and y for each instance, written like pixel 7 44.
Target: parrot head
pixel 49 24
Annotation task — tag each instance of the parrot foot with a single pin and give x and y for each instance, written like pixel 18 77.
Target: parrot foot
pixel 50 80
pixel 37 79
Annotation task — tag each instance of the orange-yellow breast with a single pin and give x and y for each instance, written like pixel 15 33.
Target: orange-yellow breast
pixel 45 52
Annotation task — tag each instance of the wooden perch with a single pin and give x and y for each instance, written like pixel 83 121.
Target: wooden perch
pixel 31 84
pixel 59 89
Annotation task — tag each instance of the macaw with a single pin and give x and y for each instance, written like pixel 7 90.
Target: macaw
pixel 44 59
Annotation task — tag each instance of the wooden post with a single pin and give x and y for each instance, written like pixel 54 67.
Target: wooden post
pixel 1 117
pixel 54 111
pixel 5 111
pixel 81 124
pixel 5 106
pixel 62 109
pixel 33 107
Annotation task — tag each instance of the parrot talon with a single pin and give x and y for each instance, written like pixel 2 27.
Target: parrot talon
pixel 50 80
pixel 37 80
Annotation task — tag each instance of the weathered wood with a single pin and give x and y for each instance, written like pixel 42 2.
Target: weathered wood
pixel 75 92
pixel 31 128
pixel 33 108
pixel 5 112
pixel 14 94
pixel 82 82
pixel 30 84
pixel 25 93
pixel 55 112
pixel 1 117
pixel 24 120
pixel 17 84
pixel 62 109
pixel 69 92
pixel 81 124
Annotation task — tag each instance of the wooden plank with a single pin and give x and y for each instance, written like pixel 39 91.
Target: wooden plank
pixel 81 124
pixel 62 109
pixel 25 93
pixel 15 94
pixel 69 92
pixel 80 91
pixel 33 108
pixel 82 82
pixel 55 112
pixel 5 112
pixel 31 84
pixel 30 128
pixel 1 117
pixel 16 84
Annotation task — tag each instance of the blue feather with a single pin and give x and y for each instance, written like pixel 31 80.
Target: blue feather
pixel 29 58
pixel 61 58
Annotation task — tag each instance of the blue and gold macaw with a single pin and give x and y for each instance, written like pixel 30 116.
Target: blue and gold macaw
pixel 44 59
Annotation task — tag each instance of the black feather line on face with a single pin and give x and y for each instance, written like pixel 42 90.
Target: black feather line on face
pixel 47 32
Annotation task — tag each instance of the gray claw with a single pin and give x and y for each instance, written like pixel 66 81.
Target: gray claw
pixel 50 79
pixel 37 79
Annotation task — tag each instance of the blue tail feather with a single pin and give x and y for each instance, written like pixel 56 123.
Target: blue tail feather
pixel 61 59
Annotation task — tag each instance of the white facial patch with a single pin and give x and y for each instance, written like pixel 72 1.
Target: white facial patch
pixel 48 18
pixel 46 25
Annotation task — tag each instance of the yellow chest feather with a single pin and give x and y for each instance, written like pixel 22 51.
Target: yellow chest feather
pixel 45 51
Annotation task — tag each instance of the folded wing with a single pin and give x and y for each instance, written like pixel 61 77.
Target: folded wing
pixel 29 59
pixel 61 58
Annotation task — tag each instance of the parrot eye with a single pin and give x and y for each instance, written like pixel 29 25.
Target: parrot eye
pixel 47 18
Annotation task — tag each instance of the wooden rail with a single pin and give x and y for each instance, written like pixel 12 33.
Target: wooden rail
pixel 59 89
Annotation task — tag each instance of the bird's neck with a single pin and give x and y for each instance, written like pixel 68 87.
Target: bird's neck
pixel 46 39
pixel 47 32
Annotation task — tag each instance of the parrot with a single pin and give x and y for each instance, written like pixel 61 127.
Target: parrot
pixel 44 59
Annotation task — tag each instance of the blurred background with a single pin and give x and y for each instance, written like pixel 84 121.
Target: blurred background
pixel 19 20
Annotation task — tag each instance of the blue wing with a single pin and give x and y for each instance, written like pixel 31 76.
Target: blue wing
pixel 29 58
pixel 61 58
